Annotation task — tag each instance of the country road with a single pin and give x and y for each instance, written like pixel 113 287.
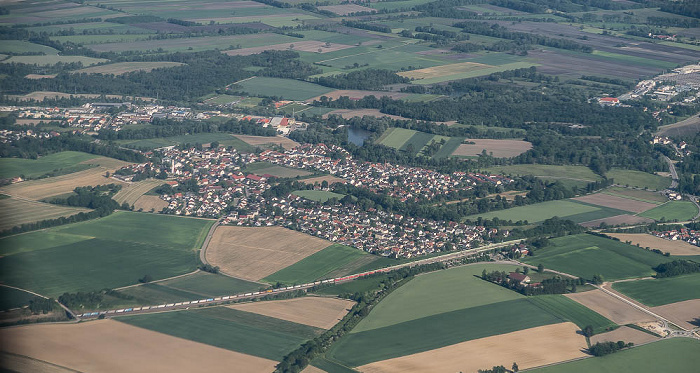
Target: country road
pixel 203 250
pixel 674 174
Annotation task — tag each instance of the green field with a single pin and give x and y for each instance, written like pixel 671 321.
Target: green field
pixel 19 46
pixel 318 265
pixel 109 252
pixel 669 355
pixel 12 298
pixel 673 210
pixel 438 330
pixel 419 298
pixel 585 255
pixel 225 139
pixel 414 141
pixel 658 292
pixel 53 59
pixel 317 195
pixel 638 195
pixel 395 137
pixel 568 309
pixel 638 179
pixel 261 168
pixel 234 330
pixel 65 162
pixel 542 211
pixel 548 171
pixel 286 88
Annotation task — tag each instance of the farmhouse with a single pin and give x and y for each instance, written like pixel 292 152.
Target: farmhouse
pixel 612 101
pixel 519 277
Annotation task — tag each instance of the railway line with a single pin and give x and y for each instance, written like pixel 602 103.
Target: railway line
pixel 259 294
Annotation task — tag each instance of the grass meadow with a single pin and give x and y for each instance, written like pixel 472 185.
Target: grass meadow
pixel 109 252
pixel 639 179
pixel 318 265
pixel 658 292
pixel 585 255
pixel 673 210
pixel 317 195
pixel 278 87
pixel 66 162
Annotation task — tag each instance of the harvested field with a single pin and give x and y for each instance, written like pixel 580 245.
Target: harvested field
pixel 610 307
pixel 618 220
pixel 312 369
pixel 313 311
pixel 18 211
pixel 358 94
pixel 329 178
pixel 130 193
pixel 640 195
pixel 624 333
pixel 100 346
pixel 444 70
pixel 616 202
pixel 265 140
pixel 646 240
pixel 529 348
pixel 53 186
pixel 345 9
pixel 499 148
pixel 148 203
pixel 298 46
pixel 120 68
pixel 681 313
pixel 17 363
pixel 255 253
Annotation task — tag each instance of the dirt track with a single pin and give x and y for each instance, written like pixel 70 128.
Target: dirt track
pixel 610 307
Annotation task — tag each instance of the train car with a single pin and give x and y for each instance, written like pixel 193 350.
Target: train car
pixel 217 298
pixel 247 294
pixel 161 306
pixel 256 293
pixel 120 311
pixel 169 304
pixel 226 297
pixel 146 308
pixel 210 299
pixel 112 311
pixel 128 310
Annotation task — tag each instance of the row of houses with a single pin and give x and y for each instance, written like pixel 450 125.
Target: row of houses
pixel 688 235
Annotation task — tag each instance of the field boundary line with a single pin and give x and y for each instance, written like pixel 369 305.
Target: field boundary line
pixel 624 298
pixel 157 281
pixel 42 361
pixel 24 290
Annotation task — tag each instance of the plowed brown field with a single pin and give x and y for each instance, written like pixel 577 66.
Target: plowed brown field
pixel 314 311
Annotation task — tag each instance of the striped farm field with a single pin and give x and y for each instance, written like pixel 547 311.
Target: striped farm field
pixel 672 210
pixel 63 161
pixel 120 68
pixel 20 211
pixel 658 292
pixel 617 202
pixel 244 332
pixel 130 193
pixel 319 265
pixel 101 346
pixel 395 137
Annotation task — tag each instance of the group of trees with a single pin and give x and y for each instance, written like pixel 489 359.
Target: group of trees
pixel 98 198
pixel 369 79
pixel 676 268
pixel 554 285
pixel 606 348
pixel 520 38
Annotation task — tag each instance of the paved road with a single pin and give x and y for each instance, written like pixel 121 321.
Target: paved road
pixel 203 251
pixel 674 174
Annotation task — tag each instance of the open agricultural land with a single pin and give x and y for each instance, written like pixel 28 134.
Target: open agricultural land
pixel 676 354
pixel 231 329
pixel 57 185
pixel 319 312
pixel 496 148
pixel 113 251
pixel 255 253
pixel 419 143
pixel 586 255
pixel 132 192
pixel 416 322
pixel 199 138
pixel 658 292
pixel 317 195
pixel 610 307
pixel 263 168
pixel 20 211
pixel 126 67
pixel 677 248
pixel 101 345
pixel 673 211
pixel 63 162
pixel 566 209
pixel 263 140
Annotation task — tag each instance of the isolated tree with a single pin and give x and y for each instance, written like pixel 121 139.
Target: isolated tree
pixel 526 270
pixel 515 368
pixel 588 331
pixel 540 268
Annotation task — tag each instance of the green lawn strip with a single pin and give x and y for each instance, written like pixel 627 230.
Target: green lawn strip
pixel 668 355
pixel 317 195
pixel 417 142
pixel 209 284
pixel 435 293
pixel 658 292
pixel 37 240
pixel 286 88
pixel 567 309
pixel 450 146
pixel 261 168
pixel 538 212
pixel 354 266
pixel 12 298
pixel 585 255
pixel 438 331
pixel 69 160
pixel 638 179
pixel 328 366
pixel 93 265
pixel 261 321
pixel 566 172
pixel 317 265
pixel 358 286
pixel 172 232
pixel 219 332
pixel 672 210
pixel 395 137
pixel 225 139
